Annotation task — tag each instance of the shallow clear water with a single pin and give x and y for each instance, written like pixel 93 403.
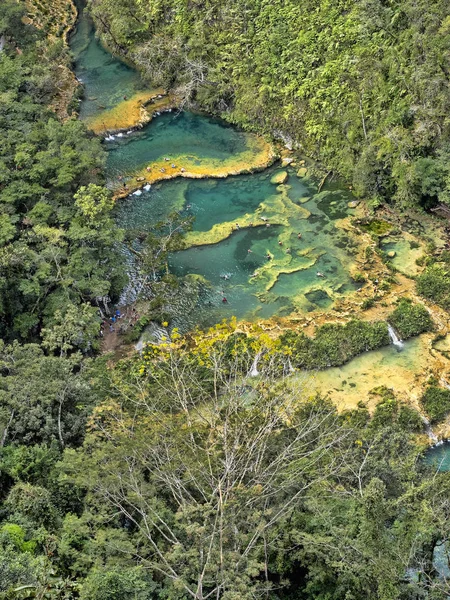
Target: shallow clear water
pixel 353 382
pixel 194 137
pixel 106 79
pixel 439 457
pixel 225 269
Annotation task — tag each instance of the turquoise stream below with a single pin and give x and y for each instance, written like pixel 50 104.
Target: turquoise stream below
pixel 323 247
pixel 173 134
pixel 226 267
pixel 439 456
pixel 106 79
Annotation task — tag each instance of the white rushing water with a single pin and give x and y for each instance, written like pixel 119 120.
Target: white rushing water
pixel 254 368
pixel 433 437
pixel 394 338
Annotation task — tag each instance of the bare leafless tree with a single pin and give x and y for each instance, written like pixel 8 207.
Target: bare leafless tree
pixel 207 482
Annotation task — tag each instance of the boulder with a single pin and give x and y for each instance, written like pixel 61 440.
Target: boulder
pixel 391 254
pixel 353 203
pixel 280 177
pixel 140 178
pixel 302 172
pixel 287 160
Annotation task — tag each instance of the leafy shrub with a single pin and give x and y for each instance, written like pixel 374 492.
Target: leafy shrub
pixel 436 403
pixel 335 344
pixel 359 277
pixel 391 413
pixel 410 319
pixel 118 584
pixel 368 303
pixel 434 284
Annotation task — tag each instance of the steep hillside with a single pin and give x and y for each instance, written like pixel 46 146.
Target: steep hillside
pixel 362 86
pixel 56 19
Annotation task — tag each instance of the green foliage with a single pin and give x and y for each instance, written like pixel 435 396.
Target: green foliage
pixel 434 284
pixel 57 238
pixel 95 204
pixel 334 345
pixel 367 303
pixel 436 403
pixel 376 226
pixel 78 328
pixel 391 413
pixel 14 535
pixel 42 398
pixel 31 505
pixel 176 474
pixel 363 86
pixel 410 319
pixel 118 584
pixel 31 464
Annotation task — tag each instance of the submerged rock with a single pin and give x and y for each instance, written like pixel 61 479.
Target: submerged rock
pixel 391 254
pixel 280 177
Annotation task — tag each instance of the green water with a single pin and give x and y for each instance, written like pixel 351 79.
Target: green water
pixel 197 137
pixel 439 457
pixel 106 80
pixel 287 282
pixel 227 267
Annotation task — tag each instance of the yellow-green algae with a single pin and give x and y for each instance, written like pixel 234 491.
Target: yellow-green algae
pixel 408 250
pixel 259 155
pixel 402 372
pixel 280 177
pixel 132 112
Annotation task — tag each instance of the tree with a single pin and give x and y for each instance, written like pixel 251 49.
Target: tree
pixel 205 485
pixel 118 584
pixel 42 399
pixel 95 203
pixel 78 327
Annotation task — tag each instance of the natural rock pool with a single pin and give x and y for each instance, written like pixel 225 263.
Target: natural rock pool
pixel 264 244
pixel 238 221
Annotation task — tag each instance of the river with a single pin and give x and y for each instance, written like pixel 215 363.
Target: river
pixel 230 241
pixel 258 243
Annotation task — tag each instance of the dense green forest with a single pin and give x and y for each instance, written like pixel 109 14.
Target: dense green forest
pixel 362 86
pixel 171 474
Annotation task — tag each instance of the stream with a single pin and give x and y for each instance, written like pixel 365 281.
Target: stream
pixel 297 227
pixel 264 244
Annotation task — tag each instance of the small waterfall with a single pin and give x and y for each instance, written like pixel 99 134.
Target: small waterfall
pixel 394 338
pixel 153 334
pixel 254 368
pixel 433 437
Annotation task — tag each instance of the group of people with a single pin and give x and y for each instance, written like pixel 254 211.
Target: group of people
pixel 112 322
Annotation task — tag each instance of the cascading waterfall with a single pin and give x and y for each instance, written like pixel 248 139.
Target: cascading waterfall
pixel 394 338
pixel 444 384
pixel 154 334
pixel 433 437
pixel 254 368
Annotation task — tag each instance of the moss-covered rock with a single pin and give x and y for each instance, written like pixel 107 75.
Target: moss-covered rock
pixel 280 177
